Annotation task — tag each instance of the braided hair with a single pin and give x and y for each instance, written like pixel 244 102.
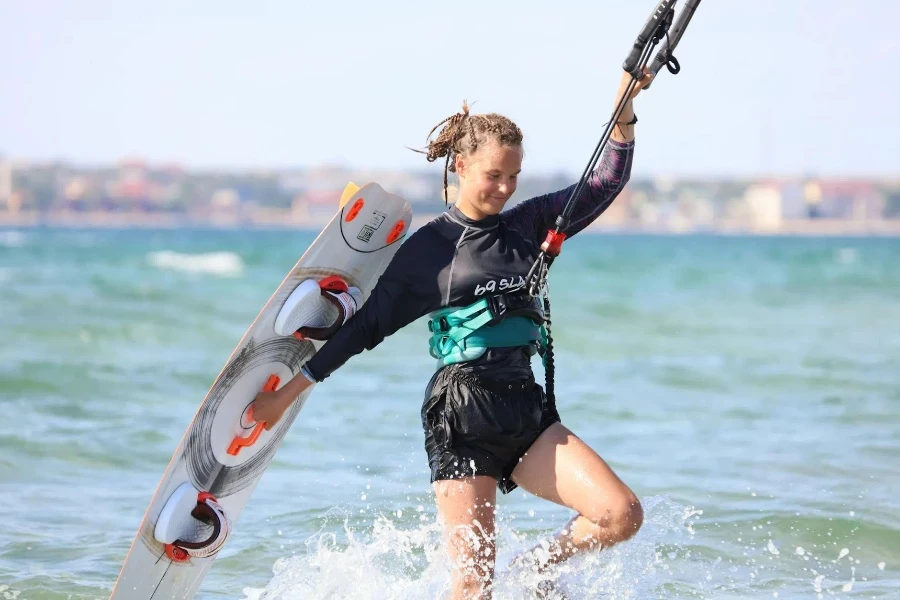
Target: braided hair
pixel 463 133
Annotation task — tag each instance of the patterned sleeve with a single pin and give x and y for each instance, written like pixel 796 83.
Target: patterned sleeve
pixel 535 217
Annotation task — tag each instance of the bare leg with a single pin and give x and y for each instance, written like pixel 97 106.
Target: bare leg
pixel 562 468
pixel 466 507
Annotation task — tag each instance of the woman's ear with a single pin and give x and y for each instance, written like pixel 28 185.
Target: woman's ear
pixel 460 164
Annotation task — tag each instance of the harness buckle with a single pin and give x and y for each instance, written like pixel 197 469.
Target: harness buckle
pixel 498 306
pixel 438 325
pixel 512 305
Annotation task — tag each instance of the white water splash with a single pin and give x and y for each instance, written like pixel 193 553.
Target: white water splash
pixel 817 584
pixel 388 562
pixel 226 264
pixel 848 587
pixel 370 566
pixel 9 593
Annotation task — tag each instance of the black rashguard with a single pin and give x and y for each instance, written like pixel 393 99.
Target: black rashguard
pixel 453 261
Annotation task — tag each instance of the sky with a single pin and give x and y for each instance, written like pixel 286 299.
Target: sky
pixel 768 87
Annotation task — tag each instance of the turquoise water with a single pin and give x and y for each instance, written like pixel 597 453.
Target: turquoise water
pixel 747 389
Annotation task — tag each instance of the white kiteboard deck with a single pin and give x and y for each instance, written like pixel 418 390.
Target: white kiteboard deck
pixel 218 464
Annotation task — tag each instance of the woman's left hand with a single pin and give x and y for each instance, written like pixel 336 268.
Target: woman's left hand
pixel 626 81
pixel 624 130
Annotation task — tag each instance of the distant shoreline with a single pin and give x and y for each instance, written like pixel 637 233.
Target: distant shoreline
pixel 284 220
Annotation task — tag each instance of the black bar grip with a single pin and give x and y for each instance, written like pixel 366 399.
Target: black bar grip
pixel 661 11
pixel 675 33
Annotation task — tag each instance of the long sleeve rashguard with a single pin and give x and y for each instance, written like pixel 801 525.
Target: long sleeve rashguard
pixel 453 260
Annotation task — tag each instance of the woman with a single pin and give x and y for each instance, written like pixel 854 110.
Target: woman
pixel 488 425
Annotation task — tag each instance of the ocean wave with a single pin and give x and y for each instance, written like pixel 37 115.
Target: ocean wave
pixel 227 264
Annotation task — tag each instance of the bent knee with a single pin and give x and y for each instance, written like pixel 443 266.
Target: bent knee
pixel 622 517
pixel 631 518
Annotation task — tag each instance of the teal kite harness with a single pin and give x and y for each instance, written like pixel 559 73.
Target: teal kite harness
pixel 507 320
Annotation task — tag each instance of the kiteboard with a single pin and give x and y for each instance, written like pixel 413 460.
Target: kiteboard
pixel 224 452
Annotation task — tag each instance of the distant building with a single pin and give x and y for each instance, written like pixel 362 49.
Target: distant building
pixel 793 200
pixel 6 189
pixel 892 201
pixel 129 189
pixel 764 206
pixel 316 204
pixel 695 208
pixel 225 199
pixel 844 199
pixel 812 198
pixel 75 189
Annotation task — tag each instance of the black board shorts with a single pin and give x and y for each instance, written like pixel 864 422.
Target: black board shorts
pixel 477 426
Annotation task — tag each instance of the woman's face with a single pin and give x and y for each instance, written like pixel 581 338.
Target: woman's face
pixel 487 179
